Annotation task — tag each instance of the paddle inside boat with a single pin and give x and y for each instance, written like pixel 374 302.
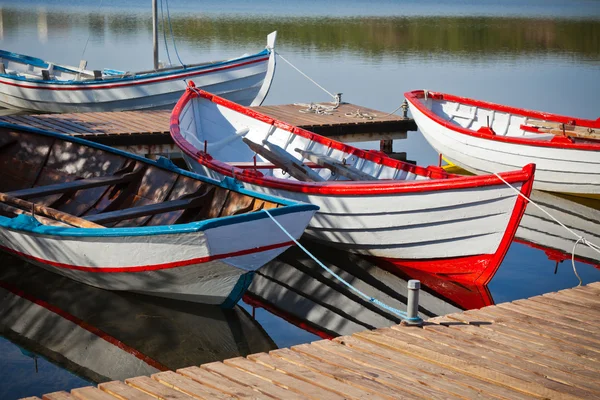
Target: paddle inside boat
pixel 31 84
pixel 421 218
pixel 485 137
pixel 113 220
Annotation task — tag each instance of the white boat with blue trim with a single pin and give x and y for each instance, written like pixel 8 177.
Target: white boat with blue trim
pixel 116 221
pixel 31 84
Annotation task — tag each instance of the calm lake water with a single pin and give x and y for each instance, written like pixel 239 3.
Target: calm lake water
pixel 537 54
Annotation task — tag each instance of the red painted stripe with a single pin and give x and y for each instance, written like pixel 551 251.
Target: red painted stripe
pixel 414 96
pixel 254 301
pixel 143 268
pixel 476 269
pixel 440 180
pixel 558 255
pixel 108 85
pixel 81 323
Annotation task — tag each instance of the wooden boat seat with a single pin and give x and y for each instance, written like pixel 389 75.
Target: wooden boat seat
pixel 149 209
pixel 49 212
pixel 73 185
pixel 2 68
pixel 284 160
pixel 337 166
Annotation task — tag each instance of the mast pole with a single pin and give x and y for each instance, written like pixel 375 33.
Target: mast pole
pixel 155 32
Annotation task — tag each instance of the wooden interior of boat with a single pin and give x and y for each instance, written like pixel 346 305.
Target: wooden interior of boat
pixel 70 184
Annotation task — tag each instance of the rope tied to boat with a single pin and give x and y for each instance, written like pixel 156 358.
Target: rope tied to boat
pixel 580 239
pixel 402 314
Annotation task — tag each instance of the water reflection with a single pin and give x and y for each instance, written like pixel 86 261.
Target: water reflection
pixel 297 289
pixel 102 335
pixel 580 215
pixel 424 37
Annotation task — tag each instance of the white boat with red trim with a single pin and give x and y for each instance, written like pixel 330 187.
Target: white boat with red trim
pixel 422 218
pixel 31 84
pixel 116 221
pixel 484 137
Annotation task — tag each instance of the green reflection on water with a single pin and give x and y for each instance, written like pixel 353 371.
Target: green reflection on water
pixel 464 37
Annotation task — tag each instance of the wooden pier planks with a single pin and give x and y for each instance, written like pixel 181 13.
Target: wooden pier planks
pixel 544 347
pixel 151 127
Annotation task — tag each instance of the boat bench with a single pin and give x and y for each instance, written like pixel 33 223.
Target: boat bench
pixel 337 166
pixel 146 210
pixel 80 184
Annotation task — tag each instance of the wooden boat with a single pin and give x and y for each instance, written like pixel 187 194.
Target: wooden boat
pixel 31 84
pixel 485 137
pixel 422 218
pixel 116 221
pixel 102 335
pixel 295 288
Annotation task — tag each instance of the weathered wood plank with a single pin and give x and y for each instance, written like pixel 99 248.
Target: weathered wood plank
pixel 315 378
pixel 222 384
pixel 62 395
pixel 507 353
pixel 189 386
pixel 461 361
pixel 542 329
pixel 521 340
pixel 91 393
pixel 281 379
pixel 123 391
pixel 402 382
pixel 342 375
pixel 570 313
pixel 156 389
pixel 251 381
pixel 404 360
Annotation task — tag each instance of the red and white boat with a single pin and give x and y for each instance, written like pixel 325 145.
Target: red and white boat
pixel 422 218
pixel 485 137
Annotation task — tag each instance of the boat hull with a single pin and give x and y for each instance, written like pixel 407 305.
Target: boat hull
pixel 212 266
pixel 245 80
pixel 559 167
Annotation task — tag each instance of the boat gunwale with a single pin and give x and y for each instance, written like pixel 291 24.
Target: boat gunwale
pixel 24 223
pixel 414 97
pixel 440 180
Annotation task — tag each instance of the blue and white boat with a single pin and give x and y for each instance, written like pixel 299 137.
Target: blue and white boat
pixel 116 221
pixel 31 84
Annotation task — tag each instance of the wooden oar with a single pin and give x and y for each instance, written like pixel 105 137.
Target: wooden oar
pixel 48 212
pixel 284 160
pixel 556 128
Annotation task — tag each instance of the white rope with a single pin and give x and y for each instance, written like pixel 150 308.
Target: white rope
pixel 306 76
pixel 579 237
pixel 402 314
pixel 319 109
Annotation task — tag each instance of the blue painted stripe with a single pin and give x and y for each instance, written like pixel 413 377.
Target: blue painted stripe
pixel 29 224
pixel 238 290
pixel 111 80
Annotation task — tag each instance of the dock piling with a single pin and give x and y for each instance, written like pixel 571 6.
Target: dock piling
pixel 412 305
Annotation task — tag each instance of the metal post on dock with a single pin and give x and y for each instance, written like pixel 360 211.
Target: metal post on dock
pixel 412 305
pixel 155 32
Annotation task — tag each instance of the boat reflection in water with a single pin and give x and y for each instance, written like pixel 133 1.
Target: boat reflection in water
pixel 581 215
pixel 295 288
pixel 102 335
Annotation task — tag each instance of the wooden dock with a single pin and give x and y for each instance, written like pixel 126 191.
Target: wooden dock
pixel 151 128
pixel 543 347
